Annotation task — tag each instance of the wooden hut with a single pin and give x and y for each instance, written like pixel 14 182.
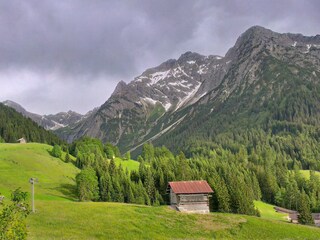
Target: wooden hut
pixel 293 217
pixel 22 140
pixel 190 196
pixel 316 219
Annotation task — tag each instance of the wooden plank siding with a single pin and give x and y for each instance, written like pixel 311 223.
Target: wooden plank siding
pixel 193 199
pixel 173 198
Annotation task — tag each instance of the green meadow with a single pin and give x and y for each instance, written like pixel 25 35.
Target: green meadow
pixel 20 162
pixel 71 220
pixel 127 164
pixel 59 215
pixel 267 212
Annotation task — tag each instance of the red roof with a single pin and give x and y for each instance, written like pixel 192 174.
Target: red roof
pixel 190 187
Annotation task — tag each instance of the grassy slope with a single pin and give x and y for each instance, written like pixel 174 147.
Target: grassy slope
pixel 20 162
pixel 70 220
pixel 59 218
pixel 267 211
pixel 127 164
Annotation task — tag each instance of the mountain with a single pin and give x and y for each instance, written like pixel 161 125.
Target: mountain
pixel 135 108
pixel 271 88
pixel 265 79
pixel 49 122
pixel 13 126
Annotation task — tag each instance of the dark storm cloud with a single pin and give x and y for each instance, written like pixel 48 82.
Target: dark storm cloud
pixel 70 54
pixel 90 36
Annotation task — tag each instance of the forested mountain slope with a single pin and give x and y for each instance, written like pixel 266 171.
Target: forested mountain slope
pixel 269 97
pixel 51 121
pixel 14 126
pixel 268 82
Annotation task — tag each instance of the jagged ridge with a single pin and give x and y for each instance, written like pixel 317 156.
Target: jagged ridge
pixel 171 96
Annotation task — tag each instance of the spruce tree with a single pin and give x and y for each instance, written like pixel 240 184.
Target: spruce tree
pixel 87 185
pixel 67 157
pixel 305 216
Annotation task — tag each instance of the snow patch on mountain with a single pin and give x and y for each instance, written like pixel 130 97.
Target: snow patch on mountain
pixel 167 106
pixel 149 100
pixel 158 76
pixel 183 72
pixel 56 126
pixel 183 83
pixel 203 69
pixel 188 97
pixel 308 48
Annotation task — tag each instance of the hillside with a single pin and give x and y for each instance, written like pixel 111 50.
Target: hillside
pixel 48 122
pixel 14 125
pixel 60 216
pixel 126 221
pixel 20 162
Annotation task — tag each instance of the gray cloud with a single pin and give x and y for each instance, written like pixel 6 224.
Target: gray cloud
pixel 56 55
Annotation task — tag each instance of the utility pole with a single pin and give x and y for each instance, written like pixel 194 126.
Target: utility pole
pixel 33 181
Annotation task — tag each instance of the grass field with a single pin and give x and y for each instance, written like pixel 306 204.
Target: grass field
pixel 71 220
pixel 267 211
pixel 20 162
pixel 127 164
pixel 59 216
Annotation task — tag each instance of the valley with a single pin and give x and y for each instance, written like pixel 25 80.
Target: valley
pixel 59 214
pixel 246 123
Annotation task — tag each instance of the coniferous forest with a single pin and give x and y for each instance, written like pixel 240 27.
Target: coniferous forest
pixel 241 166
pixel 14 126
pixel 237 176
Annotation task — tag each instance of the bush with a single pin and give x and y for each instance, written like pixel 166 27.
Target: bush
pixel 56 151
pixel 13 217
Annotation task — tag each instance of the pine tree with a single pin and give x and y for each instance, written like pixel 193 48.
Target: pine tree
pixel 67 157
pixel 305 216
pixel 150 187
pixel 147 152
pixel 87 185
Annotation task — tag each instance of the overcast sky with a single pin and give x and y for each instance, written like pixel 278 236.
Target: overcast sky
pixel 70 54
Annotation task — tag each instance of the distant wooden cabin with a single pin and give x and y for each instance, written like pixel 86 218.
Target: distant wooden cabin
pixel 190 196
pixel 22 140
pixel 293 217
pixel 316 219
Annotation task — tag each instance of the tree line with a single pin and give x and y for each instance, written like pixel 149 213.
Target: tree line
pixel 14 126
pixel 238 177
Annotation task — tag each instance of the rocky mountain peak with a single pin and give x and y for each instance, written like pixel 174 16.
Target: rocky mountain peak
pixel 120 88
pixel 257 38
pixel 190 56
